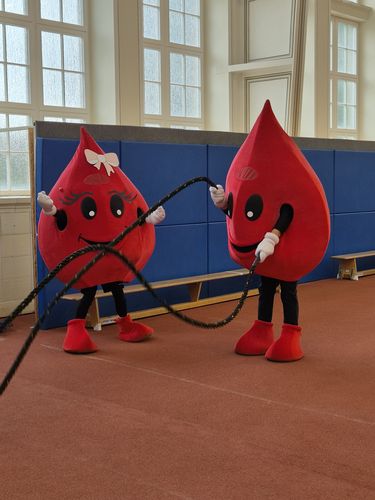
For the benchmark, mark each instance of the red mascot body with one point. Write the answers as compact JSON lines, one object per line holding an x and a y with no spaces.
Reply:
{"x":92,"y":202}
{"x":277,"y":210}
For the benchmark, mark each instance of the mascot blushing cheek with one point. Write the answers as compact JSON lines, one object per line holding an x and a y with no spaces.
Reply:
{"x":95,"y":202}
{"x":269,"y":172}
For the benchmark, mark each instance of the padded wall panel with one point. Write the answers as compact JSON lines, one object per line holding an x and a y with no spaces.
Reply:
{"x":219,"y":161}
{"x":327,"y":267}
{"x":157,"y":169}
{"x":323,"y":165}
{"x":354,"y":181}
{"x":180,"y":250}
{"x":218,"y":253}
{"x":354,"y":232}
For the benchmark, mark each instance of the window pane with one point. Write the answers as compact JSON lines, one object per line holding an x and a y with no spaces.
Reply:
{"x":19,"y":171}
{"x":73,"y":53}
{"x":51,"y":50}
{"x":18,"y":141}
{"x":4,"y":146}
{"x":16,"y":43}
{"x":19,"y":121}
{"x":352,"y":37}
{"x":176,"y":5}
{"x":50,"y":9}
{"x":351,"y":62}
{"x":2,"y":83}
{"x":177,"y":69}
{"x":192,"y":7}
{"x":351,"y":96}
{"x":176,"y":27}
{"x":74,"y":90}
{"x":73,"y":12}
{"x":193,"y":71}
{"x":152,"y":65}
{"x":15,"y":6}
{"x":3,"y":172}
{"x":192,"y":34}
{"x":341,"y":91}
{"x":18,"y":84}
{"x":151,"y":22}
{"x":193,"y":102}
{"x":152,"y":98}
{"x":341,"y":63}
{"x":341,"y":116}
{"x":351,"y":117}
{"x":3,"y":120}
{"x":152,"y":2}
{"x":177,"y":100}
{"x":52,"y":88}
{"x":341,"y":34}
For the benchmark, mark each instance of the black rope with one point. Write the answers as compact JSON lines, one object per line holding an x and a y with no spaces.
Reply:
{"x":103,"y":249}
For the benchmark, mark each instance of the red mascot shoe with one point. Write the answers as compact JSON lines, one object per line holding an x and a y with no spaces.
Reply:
{"x":130,"y":331}
{"x":257,"y":340}
{"x":288,"y":346}
{"x":77,"y":340}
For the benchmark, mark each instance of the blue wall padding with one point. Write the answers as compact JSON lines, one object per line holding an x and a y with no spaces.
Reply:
{"x":323,"y":165}
{"x":219,"y":161}
{"x":327,"y":267}
{"x":180,"y":251}
{"x":354,"y":232}
{"x":355,"y":181}
{"x":218,"y":253}
{"x":157,"y":169}
{"x":192,"y":239}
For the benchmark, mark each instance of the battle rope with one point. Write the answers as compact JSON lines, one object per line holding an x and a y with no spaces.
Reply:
{"x":103,"y":249}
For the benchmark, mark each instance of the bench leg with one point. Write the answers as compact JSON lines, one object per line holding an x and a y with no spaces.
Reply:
{"x":93,"y":318}
{"x":348,"y":269}
{"x":194,"y":291}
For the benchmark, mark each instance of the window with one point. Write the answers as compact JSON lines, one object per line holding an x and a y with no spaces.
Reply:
{"x":52,"y":35}
{"x":343,"y":79}
{"x":172,"y":62}
{"x":14,"y":153}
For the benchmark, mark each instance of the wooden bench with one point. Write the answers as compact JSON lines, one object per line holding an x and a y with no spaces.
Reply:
{"x":348,"y":265}
{"x":194,"y":284}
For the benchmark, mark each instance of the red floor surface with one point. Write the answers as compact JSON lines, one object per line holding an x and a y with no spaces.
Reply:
{"x":180,"y":416}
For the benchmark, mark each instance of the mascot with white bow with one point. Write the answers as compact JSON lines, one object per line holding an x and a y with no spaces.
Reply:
{"x":93,"y":202}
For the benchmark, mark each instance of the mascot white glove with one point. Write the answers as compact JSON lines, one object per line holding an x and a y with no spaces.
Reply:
{"x":156,"y":216}
{"x":267,"y":246}
{"x":218,"y":196}
{"x":46,"y":203}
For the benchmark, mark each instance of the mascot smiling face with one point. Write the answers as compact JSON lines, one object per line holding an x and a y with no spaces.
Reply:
{"x":268,"y":172}
{"x":96,"y":202}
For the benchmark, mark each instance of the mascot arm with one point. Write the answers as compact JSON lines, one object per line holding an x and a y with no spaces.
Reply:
{"x":267,"y":246}
{"x":46,"y":203}
{"x":156,"y":217}
{"x":218,"y":196}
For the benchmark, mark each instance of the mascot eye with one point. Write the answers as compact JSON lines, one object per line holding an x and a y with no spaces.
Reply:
{"x":254,"y":207}
{"x":61,"y":220}
{"x":117,"y":205}
{"x":88,"y":208}
{"x":229,"y":210}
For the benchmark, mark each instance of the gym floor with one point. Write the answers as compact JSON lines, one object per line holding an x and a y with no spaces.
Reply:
{"x":180,"y":416}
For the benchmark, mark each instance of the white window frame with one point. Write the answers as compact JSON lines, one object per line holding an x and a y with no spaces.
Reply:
{"x":35,"y":108}
{"x":165,"y":47}
{"x":335,"y":76}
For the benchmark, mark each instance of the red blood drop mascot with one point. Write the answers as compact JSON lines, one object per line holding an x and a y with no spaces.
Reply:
{"x":277,"y":210}
{"x":92,"y":202}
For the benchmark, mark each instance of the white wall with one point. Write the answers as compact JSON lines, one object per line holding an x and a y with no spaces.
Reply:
{"x":16,"y":261}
